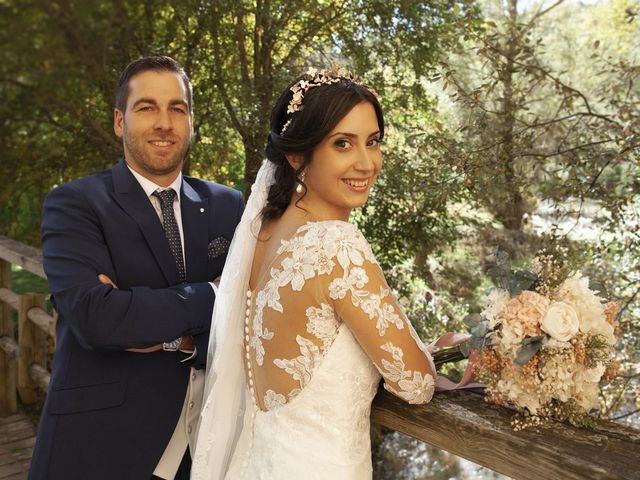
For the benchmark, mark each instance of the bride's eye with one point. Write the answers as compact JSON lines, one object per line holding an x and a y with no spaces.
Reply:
{"x":342,"y":144}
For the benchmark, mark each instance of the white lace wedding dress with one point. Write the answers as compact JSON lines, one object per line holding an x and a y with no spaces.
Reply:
{"x":319,"y":331}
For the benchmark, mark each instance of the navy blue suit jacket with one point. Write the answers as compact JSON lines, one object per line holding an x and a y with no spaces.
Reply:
{"x":109,"y":413}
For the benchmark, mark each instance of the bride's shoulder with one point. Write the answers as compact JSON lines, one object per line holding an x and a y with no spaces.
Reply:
{"x":333,"y":228}
{"x":334,"y":236}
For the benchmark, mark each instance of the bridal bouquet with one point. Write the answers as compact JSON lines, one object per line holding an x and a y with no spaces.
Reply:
{"x":544,"y":341}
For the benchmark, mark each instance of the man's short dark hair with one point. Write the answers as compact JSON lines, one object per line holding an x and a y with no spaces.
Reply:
{"x":157,"y":63}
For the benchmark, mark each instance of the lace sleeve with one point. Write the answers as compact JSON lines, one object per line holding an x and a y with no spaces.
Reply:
{"x":364,"y":301}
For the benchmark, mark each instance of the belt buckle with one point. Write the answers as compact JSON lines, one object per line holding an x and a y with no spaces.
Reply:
{"x":172,"y":346}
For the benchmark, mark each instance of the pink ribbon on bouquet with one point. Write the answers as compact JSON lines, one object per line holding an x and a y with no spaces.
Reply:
{"x":451,"y":339}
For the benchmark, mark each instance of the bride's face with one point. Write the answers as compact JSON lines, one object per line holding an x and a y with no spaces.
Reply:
{"x":344,"y":165}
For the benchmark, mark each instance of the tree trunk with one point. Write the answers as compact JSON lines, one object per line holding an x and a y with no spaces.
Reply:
{"x":510,"y":212}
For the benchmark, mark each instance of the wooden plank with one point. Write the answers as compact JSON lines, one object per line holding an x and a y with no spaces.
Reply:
{"x":12,"y":469}
{"x":42,"y":320}
{"x":463,"y":424}
{"x":6,"y":317}
{"x":9,"y":375}
{"x":19,"y":476}
{"x":28,"y":343}
{"x":15,"y":455}
{"x":19,"y":444}
{"x":27,"y":257}
{"x":40,"y":376}
{"x":17,"y":439}
{"x":18,"y":469}
{"x":10,"y":348}
{"x":8,"y":367}
{"x":9,"y":298}
{"x":16,"y":417}
{"x":20,"y":455}
{"x":16,"y":432}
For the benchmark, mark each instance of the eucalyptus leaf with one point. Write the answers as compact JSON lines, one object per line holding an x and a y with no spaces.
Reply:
{"x":472,"y":320}
{"x":530,"y":346}
{"x":480,"y":330}
{"x":598,"y":287}
{"x":522,"y":280}
{"x":500,"y":276}
{"x":477,"y":343}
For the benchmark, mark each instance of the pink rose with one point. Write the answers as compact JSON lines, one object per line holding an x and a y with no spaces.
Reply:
{"x":522,"y":315}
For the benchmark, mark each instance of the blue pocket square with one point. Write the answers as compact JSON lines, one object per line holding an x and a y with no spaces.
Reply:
{"x":218,"y":247}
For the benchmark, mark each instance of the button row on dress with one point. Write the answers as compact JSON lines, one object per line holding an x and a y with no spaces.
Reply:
{"x":245,"y":462}
{"x":248,"y":350}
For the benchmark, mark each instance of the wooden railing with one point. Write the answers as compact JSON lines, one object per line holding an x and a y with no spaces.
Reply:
{"x":459,"y":422}
{"x":26,"y":346}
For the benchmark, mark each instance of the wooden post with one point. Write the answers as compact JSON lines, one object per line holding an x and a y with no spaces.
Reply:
{"x":29,"y":349}
{"x":8,"y":387}
{"x":6,"y":321}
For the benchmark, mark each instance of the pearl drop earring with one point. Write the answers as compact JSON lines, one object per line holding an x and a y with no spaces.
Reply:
{"x":299,"y":187}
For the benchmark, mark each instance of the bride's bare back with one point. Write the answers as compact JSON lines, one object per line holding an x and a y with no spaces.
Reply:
{"x":308,"y":283}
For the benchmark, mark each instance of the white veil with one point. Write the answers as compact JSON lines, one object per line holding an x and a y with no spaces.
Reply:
{"x":224,"y":393}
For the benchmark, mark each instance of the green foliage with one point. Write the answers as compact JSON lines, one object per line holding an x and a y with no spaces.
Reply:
{"x":61,"y":61}
{"x":25,"y":282}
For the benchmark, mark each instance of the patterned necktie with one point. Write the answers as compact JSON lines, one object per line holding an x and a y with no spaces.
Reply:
{"x":170,"y":225}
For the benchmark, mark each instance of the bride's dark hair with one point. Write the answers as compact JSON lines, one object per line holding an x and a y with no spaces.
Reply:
{"x":322,"y":108}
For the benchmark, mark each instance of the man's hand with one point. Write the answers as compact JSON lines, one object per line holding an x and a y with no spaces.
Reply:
{"x":186,"y":343}
{"x":106,"y":280}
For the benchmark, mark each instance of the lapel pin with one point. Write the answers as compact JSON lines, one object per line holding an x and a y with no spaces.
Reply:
{"x":202,"y":210}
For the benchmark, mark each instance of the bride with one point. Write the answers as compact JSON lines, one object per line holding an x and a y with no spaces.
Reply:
{"x":304,"y":322}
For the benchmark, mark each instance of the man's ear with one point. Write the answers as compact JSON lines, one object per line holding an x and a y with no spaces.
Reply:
{"x":118,"y":122}
{"x":295,"y":161}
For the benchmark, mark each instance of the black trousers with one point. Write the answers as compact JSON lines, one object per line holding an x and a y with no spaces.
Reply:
{"x":183,"y":470}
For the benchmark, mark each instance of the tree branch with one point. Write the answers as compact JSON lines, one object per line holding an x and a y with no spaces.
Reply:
{"x":540,"y":13}
{"x":629,"y":301}
{"x":568,"y":150}
{"x":625,"y":415}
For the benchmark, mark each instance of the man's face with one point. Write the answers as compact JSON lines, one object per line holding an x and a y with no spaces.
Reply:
{"x":156,"y":126}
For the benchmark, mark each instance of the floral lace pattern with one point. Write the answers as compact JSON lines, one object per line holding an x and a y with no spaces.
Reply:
{"x":347,"y":286}
{"x":414,"y":387}
{"x":273,"y":400}
{"x":322,"y":324}
{"x":301,"y":368}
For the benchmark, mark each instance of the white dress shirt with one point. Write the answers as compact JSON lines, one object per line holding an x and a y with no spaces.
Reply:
{"x":184,"y":433}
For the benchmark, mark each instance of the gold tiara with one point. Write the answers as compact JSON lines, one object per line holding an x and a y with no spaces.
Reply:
{"x":316,"y":78}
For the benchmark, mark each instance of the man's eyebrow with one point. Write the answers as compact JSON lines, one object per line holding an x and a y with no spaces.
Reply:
{"x":144,"y":100}
{"x":178,"y":102}
{"x":152,"y":101}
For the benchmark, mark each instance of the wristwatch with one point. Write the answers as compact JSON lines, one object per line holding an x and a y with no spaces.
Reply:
{"x":172,"y":346}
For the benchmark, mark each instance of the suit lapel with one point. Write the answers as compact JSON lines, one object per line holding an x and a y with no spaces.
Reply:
{"x":131,"y":197}
{"x":195,"y":225}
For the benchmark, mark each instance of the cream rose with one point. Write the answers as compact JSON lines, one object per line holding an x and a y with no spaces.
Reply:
{"x":560,"y":322}
{"x":589,"y":306}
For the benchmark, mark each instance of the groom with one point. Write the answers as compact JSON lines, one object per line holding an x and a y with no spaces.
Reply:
{"x":126,"y":381}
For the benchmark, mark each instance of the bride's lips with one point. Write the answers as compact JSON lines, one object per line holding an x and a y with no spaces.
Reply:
{"x":357,"y":184}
